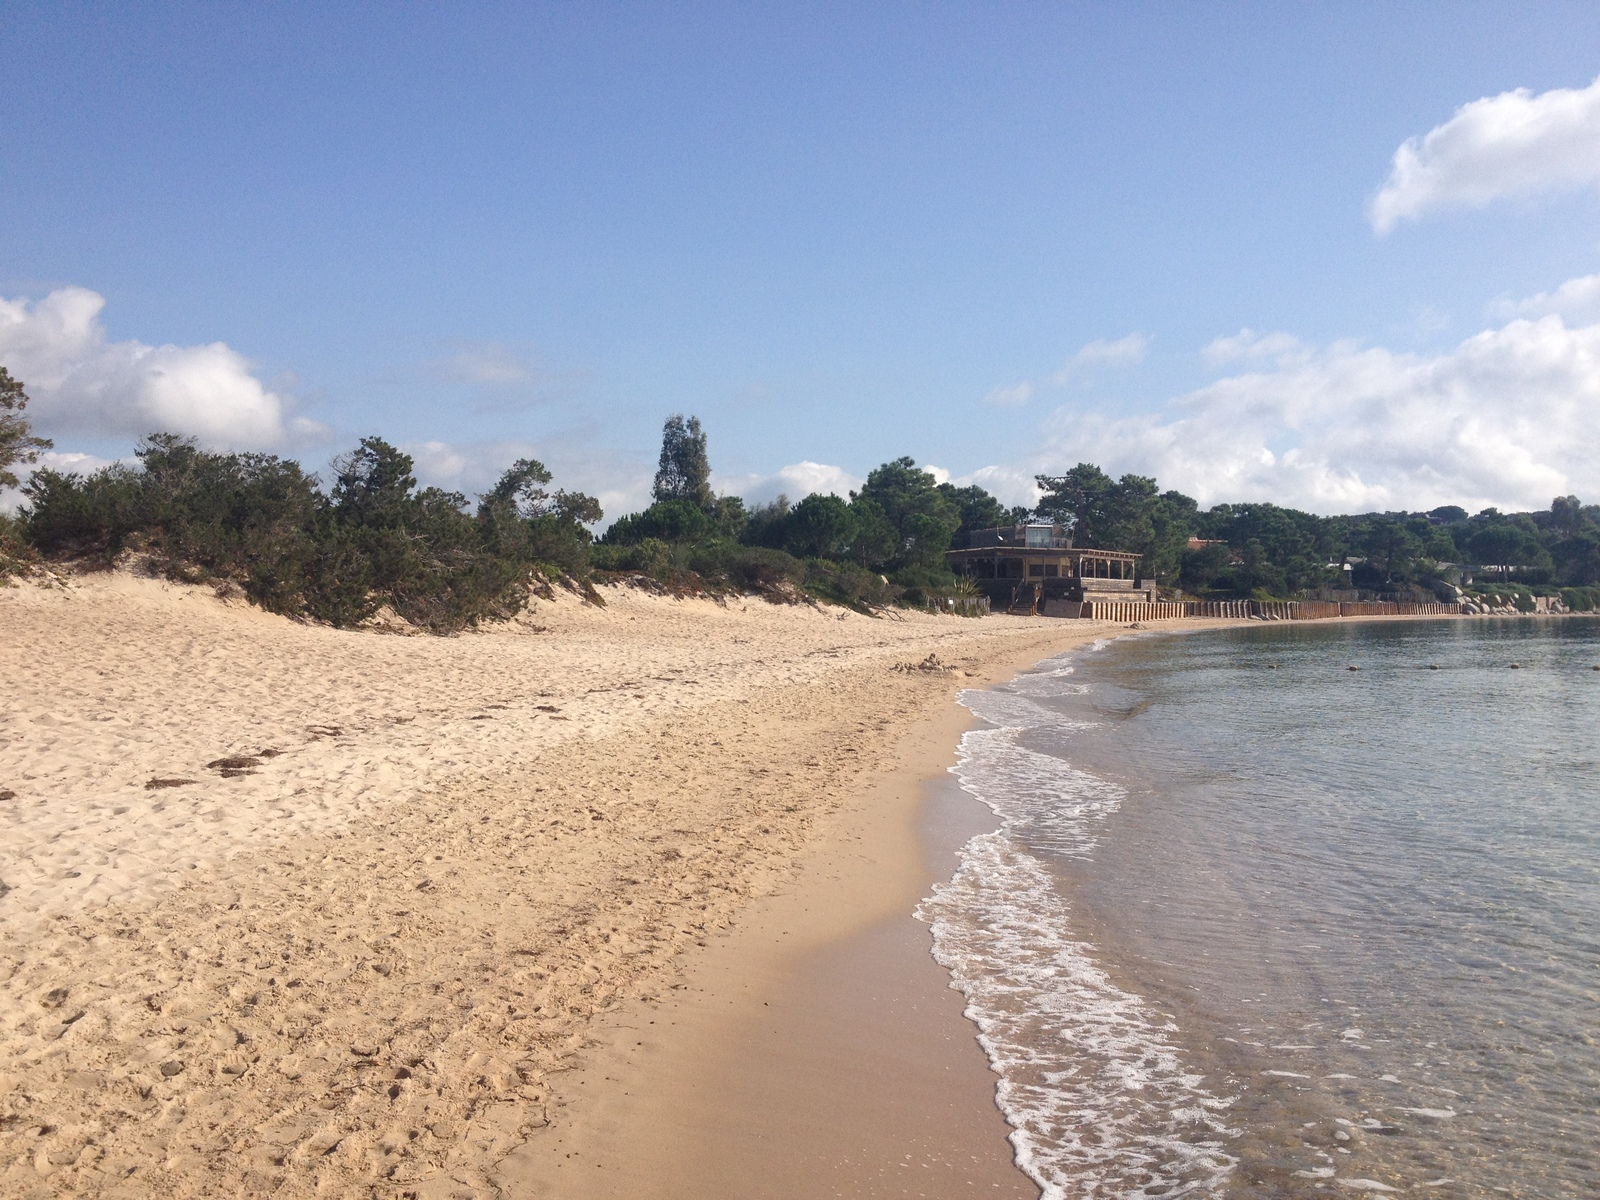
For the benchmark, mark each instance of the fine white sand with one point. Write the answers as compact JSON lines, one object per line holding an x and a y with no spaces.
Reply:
{"x":351,"y":966}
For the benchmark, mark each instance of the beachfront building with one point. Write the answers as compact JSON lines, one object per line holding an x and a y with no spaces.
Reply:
{"x":1037,"y":569}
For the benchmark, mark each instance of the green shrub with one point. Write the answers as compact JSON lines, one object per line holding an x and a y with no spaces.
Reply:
{"x":16,"y":556}
{"x":850,"y":585}
{"x":651,"y":557}
{"x":747,"y":568}
{"x":71,"y":514}
{"x":666,"y":521}
{"x":1581,"y":599}
{"x":261,"y":522}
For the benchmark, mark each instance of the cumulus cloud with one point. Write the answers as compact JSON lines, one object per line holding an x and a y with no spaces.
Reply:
{"x":1576,"y":298}
{"x":83,"y":384}
{"x":67,"y":462}
{"x":796,"y":481}
{"x":471,"y":468}
{"x":1507,"y":418}
{"x":1009,"y":485}
{"x":1096,"y":355}
{"x":1516,"y":144}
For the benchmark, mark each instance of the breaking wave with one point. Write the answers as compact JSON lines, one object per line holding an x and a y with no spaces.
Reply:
{"x":1091,"y":1078}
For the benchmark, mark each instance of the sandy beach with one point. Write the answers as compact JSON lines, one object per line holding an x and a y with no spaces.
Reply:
{"x":300,"y":911}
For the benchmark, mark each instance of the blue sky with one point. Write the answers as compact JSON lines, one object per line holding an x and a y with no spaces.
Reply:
{"x":998,"y":238}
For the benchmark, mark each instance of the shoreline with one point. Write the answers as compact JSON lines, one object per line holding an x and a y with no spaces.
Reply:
{"x":813,"y":1047}
{"x":711,"y":1091}
{"x":818,"y":1049}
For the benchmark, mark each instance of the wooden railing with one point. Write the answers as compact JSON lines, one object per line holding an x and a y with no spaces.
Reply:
{"x":1126,"y":612}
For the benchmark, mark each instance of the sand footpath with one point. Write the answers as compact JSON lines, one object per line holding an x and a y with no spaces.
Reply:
{"x":405,"y":874}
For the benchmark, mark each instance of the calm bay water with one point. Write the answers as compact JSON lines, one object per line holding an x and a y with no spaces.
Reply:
{"x":1258,"y":925}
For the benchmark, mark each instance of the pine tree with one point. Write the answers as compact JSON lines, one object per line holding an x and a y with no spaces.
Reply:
{"x":17,"y":444}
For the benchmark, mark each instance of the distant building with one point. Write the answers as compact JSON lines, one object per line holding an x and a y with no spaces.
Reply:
{"x":1036,"y":568}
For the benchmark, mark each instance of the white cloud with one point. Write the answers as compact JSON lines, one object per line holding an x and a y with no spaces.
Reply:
{"x":71,"y":462}
{"x":1014,"y":396}
{"x":472,"y":468}
{"x":1507,"y":418}
{"x":1247,"y":345}
{"x":81,"y":384}
{"x":67,"y":462}
{"x":1123,"y":352}
{"x":1578,"y":298}
{"x":1009,"y":485}
{"x":1516,"y":144}
{"x":796,"y":481}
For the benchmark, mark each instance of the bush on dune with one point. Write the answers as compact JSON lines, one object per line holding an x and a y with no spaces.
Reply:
{"x":262,"y":523}
{"x":713,"y":567}
{"x":663,"y":521}
{"x":750,"y":568}
{"x":16,"y":556}
{"x":850,"y":585}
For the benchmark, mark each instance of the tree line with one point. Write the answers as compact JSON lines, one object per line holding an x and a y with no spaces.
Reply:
{"x":1266,"y":551}
{"x":373,"y":538}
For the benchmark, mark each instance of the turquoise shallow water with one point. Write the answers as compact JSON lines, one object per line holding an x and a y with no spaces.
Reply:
{"x":1256,"y":924}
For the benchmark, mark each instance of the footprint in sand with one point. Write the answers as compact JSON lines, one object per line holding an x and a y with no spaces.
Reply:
{"x":230,"y":768}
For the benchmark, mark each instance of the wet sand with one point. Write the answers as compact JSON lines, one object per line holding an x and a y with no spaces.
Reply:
{"x":817,"y":1050}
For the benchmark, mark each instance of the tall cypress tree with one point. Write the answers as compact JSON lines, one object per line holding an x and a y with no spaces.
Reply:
{"x":685,"y":471}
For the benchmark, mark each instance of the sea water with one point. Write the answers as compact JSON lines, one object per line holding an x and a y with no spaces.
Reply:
{"x":1257,"y":924}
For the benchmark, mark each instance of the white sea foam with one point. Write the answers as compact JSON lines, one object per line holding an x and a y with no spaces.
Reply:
{"x":1091,"y":1081}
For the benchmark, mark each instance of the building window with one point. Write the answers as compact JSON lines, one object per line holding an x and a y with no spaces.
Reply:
{"x":1035,"y":570}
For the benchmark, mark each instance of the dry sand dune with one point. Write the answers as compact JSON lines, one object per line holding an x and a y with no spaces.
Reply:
{"x":348,"y":963}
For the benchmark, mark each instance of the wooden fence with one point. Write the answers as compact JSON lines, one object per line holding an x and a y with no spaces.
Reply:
{"x":1397,"y":608}
{"x":1127,"y":612}
{"x":1132,"y":610}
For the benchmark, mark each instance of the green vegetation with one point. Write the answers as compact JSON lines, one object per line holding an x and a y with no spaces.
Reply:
{"x":374,"y":539}
{"x":18,"y":446}
{"x":1267,"y":552}
{"x":261,"y":523}
{"x":885,"y":545}
{"x":1582,"y":599}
